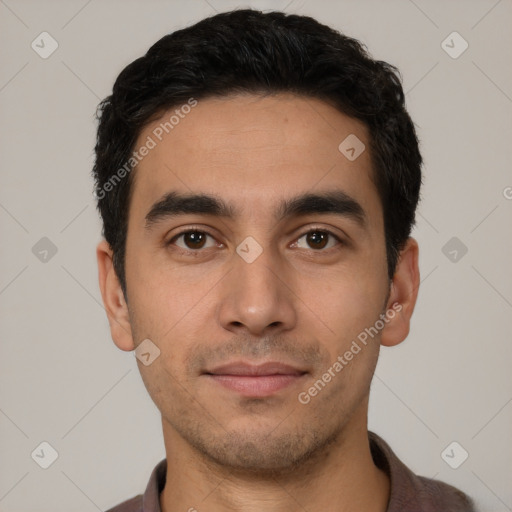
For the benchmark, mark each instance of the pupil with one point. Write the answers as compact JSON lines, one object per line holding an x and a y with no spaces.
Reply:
{"x":194,"y":238}
{"x":317,"y":238}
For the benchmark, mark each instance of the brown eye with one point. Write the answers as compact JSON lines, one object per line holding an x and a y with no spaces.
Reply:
{"x":192,"y":239}
{"x":318,"y":239}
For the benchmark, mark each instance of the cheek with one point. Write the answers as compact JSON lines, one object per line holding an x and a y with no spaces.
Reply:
{"x":176,"y":313}
{"x":343,"y":304}
{"x":350,"y":307}
{"x":163,"y":296}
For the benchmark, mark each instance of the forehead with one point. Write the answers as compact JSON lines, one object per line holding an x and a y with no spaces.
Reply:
{"x":254,"y":151}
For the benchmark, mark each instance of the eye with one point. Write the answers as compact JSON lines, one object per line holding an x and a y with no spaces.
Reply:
{"x":318,"y":239}
{"x":192,"y":239}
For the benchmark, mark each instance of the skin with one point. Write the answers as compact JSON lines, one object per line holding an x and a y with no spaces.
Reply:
{"x":295,"y":303}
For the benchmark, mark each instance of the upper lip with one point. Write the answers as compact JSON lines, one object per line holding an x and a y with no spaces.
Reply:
{"x":244,"y":368}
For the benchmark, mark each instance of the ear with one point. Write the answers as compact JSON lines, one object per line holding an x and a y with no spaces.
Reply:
{"x":113,"y":299}
{"x":402,"y":295}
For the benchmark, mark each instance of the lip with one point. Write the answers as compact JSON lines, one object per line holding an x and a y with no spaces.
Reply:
{"x":248,"y":369}
{"x":252,"y":380}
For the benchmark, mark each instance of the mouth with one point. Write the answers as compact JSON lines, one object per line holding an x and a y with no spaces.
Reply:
{"x":256,"y":381}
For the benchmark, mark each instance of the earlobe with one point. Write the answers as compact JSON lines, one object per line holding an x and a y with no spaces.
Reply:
{"x":403,"y":295}
{"x":113,"y":299}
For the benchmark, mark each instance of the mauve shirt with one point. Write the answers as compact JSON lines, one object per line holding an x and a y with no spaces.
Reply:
{"x":408,"y":492}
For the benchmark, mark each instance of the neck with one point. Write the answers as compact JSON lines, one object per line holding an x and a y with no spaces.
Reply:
{"x":342,"y":478}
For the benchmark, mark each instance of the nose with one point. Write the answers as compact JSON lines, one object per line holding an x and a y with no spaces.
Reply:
{"x":257,"y":297}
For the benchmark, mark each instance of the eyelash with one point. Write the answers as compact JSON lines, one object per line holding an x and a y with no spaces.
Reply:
{"x":201,"y":230}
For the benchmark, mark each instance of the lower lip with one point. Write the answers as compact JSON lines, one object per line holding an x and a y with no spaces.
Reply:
{"x":256,"y":385}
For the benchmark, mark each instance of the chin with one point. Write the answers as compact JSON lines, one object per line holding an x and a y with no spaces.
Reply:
{"x":264,"y":451}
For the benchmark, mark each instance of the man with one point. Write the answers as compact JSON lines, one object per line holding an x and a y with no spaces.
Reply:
{"x":257,"y":176}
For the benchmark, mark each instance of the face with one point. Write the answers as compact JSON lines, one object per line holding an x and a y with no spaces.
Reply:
{"x":253,"y":292}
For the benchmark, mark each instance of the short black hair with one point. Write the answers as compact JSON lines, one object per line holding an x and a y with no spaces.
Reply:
{"x":249,"y":51}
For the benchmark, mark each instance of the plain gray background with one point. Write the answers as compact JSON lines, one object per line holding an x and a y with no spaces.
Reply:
{"x":63,"y":381}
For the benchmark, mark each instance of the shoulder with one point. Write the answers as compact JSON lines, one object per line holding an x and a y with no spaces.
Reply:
{"x":150,"y":499}
{"x":409,"y":491}
{"x":435,"y":495}
{"x":132,"y":505}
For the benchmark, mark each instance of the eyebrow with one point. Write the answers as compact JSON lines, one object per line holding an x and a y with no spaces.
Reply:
{"x":174,"y":204}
